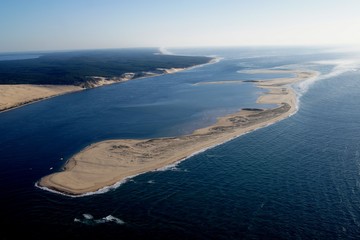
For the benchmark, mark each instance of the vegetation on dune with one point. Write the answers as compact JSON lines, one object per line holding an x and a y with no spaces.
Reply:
{"x":74,"y":68}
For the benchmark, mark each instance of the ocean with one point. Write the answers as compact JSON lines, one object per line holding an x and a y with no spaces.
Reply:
{"x":295,"y":179}
{"x":18,"y":56}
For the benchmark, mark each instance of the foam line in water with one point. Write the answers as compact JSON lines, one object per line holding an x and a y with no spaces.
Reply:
{"x":164,"y":51}
{"x":88,"y":219}
{"x":87,"y":216}
{"x":213,"y":61}
{"x":340,"y":66}
{"x":100,"y":191}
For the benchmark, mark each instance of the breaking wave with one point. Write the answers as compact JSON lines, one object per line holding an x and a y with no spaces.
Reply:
{"x":164,"y":51}
{"x":339,"y":67}
{"x":88,"y":219}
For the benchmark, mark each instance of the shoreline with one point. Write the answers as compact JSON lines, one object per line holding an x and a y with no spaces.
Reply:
{"x":111,"y":162}
{"x":22,"y":91}
{"x":43,"y":92}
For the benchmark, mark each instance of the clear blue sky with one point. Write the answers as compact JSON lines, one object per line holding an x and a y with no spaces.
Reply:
{"x":27,"y":25}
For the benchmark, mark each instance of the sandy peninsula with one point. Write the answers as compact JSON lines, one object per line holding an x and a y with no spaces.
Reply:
{"x":108,"y":162}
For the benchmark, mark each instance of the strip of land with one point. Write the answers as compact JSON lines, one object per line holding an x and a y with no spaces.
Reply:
{"x":13,"y":96}
{"x":25,"y":81}
{"x":108,"y":162}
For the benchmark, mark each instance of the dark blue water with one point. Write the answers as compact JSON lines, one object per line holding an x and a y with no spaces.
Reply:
{"x":297,"y":179}
{"x":17,"y":56}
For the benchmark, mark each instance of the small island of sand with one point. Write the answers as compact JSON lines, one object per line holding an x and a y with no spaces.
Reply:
{"x":108,"y":162}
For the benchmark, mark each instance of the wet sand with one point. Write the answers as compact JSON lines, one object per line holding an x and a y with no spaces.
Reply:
{"x":108,"y":162}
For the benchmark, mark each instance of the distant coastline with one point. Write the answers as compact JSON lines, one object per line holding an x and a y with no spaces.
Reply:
{"x":110,"y":162}
{"x":13,"y":96}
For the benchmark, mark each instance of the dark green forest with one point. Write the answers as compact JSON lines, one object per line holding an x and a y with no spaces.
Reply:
{"x":73,"y":68}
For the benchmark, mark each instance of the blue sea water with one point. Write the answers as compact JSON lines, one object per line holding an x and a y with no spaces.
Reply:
{"x":296,"y":179}
{"x":17,"y":56}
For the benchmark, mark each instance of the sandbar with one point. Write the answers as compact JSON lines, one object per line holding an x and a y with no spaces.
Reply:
{"x":109,"y":162}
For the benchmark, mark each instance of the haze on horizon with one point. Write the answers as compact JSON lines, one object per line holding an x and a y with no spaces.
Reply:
{"x":39,"y":25}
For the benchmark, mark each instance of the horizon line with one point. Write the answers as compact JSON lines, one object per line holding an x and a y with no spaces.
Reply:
{"x":182,"y":47}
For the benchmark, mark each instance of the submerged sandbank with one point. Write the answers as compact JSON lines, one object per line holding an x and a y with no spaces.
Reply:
{"x":108,"y":162}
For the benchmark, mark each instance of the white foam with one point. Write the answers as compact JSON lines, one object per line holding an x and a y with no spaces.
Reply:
{"x":110,"y":218}
{"x":171,"y":167}
{"x":87,"y":216}
{"x":114,"y":219}
{"x":100,"y":191}
{"x":51,"y":190}
{"x":89,"y":219}
{"x":213,"y":61}
{"x":340,"y":66}
{"x":164,"y":51}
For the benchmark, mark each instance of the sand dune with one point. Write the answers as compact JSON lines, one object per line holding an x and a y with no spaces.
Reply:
{"x":12,"y":96}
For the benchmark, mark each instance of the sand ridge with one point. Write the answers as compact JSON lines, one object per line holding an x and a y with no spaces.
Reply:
{"x":108,"y":162}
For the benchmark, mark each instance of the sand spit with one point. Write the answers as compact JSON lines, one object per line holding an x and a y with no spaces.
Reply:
{"x":108,"y":162}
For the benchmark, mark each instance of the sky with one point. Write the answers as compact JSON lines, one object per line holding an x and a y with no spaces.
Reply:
{"x":40,"y":25}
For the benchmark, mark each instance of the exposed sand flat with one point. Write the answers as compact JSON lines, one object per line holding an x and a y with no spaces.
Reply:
{"x":12,"y":96}
{"x":108,"y":162}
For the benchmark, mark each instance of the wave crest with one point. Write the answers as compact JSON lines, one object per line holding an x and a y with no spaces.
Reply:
{"x":340,"y":67}
{"x":88,"y":219}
